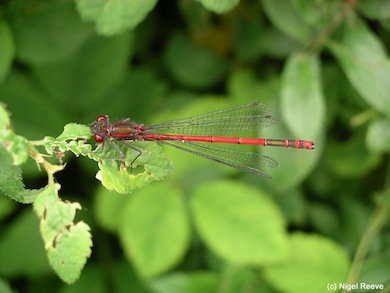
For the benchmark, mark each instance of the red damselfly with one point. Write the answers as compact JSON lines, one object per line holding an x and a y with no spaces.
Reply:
{"x":202,"y":134}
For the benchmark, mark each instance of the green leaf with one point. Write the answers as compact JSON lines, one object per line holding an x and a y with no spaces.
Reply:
{"x":318,"y":13}
{"x":55,"y":214}
{"x":220,"y":6}
{"x":71,"y":139}
{"x":16,"y":145}
{"x":113,"y":16}
{"x":68,"y":245}
{"x":365,"y":62}
{"x":34,"y":112}
{"x":21,"y":250}
{"x":122,"y":178}
{"x":286,"y":18}
{"x":11,"y":179}
{"x":70,"y":251}
{"x":302,"y":101}
{"x":199,"y":282}
{"x":154,"y":230}
{"x":5,"y":287}
{"x":378,"y":135}
{"x":314,"y":262}
{"x":74,"y":131}
{"x":375,"y":9}
{"x":4,"y":121}
{"x":46,"y":32}
{"x":108,"y":208}
{"x":239,"y":223}
{"x":99,"y":65}
{"x":193,"y":66}
{"x":7,"y":50}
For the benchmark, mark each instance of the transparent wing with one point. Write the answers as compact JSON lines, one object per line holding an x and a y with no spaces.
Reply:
{"x":239,"y":119}
{"x":242,"y":160}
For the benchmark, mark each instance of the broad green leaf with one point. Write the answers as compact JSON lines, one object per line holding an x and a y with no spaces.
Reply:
{"x":70,"y":251}
{"x":199,"y":282}
{"x":154,"y":231}
{"x":11,"y":183}
{"x":239,"y":223}
{"x":124,"y":179}
{"x":365,"y":62}
{"x":99,"y":66}
{"x":318,"y":13}
{"x":302,"y":101}
{"x":108,"y":208}
{"x":193,"y":66}
{"x":34,"y":113}
{"x":68,"y":244}
{"x":47,"y":32}
{"x":378,"y":135}
{"x":314,"y":262}
{"x":7,"y":50}
{"x":114,"y":16}
{"x":375,"y":9}
{"x":74,"y":131}
{"x":220,"y":6}
{"x":56,"y":214}
{"x":21,"y":249}
{"x":5,"y":287}
{"x":286,"y":18}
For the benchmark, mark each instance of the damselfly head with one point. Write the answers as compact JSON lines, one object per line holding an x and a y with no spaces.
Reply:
{"x":99,"y":128}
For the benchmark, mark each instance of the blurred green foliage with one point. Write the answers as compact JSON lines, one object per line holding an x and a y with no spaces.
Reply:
{"x":322,"y":66}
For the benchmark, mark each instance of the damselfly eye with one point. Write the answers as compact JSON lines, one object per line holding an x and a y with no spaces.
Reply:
{"x":101,"y":117}
{"x":98,"y":138}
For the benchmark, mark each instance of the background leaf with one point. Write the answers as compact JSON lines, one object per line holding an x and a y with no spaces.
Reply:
{"x":157,"y":249}
{"x":112,"y":17}
{"x":365,"y":63}
{"x":193,"y":66}
{"x":225,"y":230}
{"x":123,"y":180}
{"x":234,"y":222}
{"x":301,"y":96}
{"x":314,"y":261}
{"x":47,"y":31}
{"x":7,"y":50}
{"x":219,"y":6}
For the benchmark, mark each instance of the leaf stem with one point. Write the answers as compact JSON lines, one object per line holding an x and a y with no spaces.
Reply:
{"x":377,"y":220}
